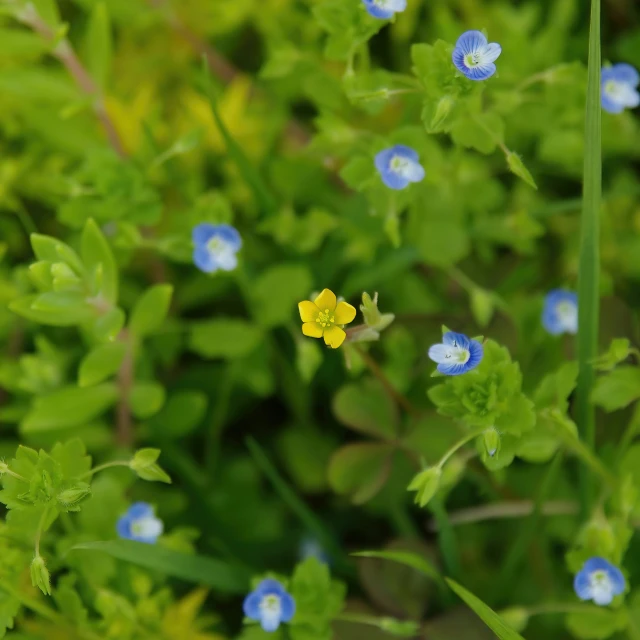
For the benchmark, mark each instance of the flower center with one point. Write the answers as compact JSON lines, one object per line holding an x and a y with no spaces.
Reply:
{"x":270,"y":604}
{"x":614,"y":89}
{"x":325,"y":318}
{"x":149,"y":527}
{"x":600,"y":584}
{"x":472,"y":60}
{"x":457,"y":354}
{"x":217,"y":246}
{"x":568,"y":315}
{"x":399,"y":165}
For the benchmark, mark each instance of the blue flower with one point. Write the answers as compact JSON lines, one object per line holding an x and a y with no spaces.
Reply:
{"x":599,"y":580}
{"x":560,"y":314}
{"x":269,"y":604}
{"x":216,"y":246}
{"x":384,"y":9}
{"x":474,"y":56}
{"x":457,"y":354}
{"x":619,"y":88}
{"x":140,"y":523}
{"x":398,"y":166}
{"x":311,"y":548}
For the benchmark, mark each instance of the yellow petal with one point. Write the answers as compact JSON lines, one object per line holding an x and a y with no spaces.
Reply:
{"x":312,"y":329}
{"x":334,"y":337}
{"x":326,"y":300}
{"x":308,"y":311}
{"x":345,"y":313}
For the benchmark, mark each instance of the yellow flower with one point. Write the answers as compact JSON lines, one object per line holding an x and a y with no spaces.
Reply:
{"x":322,"y":317}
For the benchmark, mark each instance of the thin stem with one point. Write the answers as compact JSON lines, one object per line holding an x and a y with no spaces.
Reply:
{"x":43,"y":519}
{"x":218,"y":419}
{"x":106,"y":465}
{"x":589,"y":266}
{"x":395,"y":395}
{"x":559,"y":607}
{"x":470,"y":436}
{"x":592,"y":461}
{"x":13,"y":474}
{"x":64,"y":52}
{"x":124,"y":422}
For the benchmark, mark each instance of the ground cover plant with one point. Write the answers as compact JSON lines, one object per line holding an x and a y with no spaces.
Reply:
{"x":320,"y":319}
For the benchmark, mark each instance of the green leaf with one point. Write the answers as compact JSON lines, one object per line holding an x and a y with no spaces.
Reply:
{"x":224,"y":338}
{"x":144,"y":465}
{"x":486,"y":614}
{"x":617,"y":389}
{"x":146,"y":399}
{"x":482,"y":132}
{"x":48,"y":11}
{"x":100,"y":363}
{"x":516,"y":165}
{"x":59,"y":309}
{"x":364,"y":406}
{"x":277,"y":292}
{"x":413,"y":560}
{"x":98,"y":258}
{"x":589,"y":264}
{"x":98,"y":44}
{"x":360,"y":470}
{"x":597,"y":623}
{"x":181,"y":414}
{"x":426,"y":484}
{"x":211,"y":572}
{"x":263,"y":196}
{"x":619,"y":349}
{"x":68,"y":407}
{"x":151,"y":310}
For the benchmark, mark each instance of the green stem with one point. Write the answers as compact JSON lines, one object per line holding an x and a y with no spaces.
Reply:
{"x":43,"y":519}
{"x":218,"y":420}
{"x":458,"y":445}
{"x":106,"y":465}
{"x":560,"y":607}
{"x":446,"y":538}
{"x":589,"y":270}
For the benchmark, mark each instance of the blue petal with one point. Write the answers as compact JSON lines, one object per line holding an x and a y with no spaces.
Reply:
{"x":251,"y":605}
{"x":203,"y":259}
{"x":623,"y":72}
{"x":452,"y":369}
{"x":471,"y":41}
{"x":404,"y":151}
{"x":481,"y":72}
{"x":139,"y":510}
{"x":269,"y":621}
{"x":610,"y":105}
{"x":270,"y":586}
{"x":582,"y":585}
{"x":202,"y":233}
{"x":230,"y":235}
{"x":377,"y":11}
{"x":618,"y":583}
{"x":123,"y":527}
{"x":458,"y":339}
{"x":288,"y":607}
{"x":597,"y":564}
{"x":382,"y":160}
{"x":476,"y":353}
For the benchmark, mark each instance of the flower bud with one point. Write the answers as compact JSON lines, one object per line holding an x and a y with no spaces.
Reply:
{"x":444,"y":108}
{"x":144,"y":465}
{"x":40,"y":575}
{"x":491,"y":439}
{"x":70,"y":498}
{"x":372,"y":316}
{"x":426,"y":483}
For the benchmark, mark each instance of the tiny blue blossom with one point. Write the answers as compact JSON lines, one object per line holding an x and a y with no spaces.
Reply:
{"x":215,"y":247}
{"x":599,"y":580}
{"x":560,"y":314}
{"x":619,"y":87}
{"x":140,"y":523}
{"x":384,"y":9}
{"x":398,"y":166}
{"x":269,"y":604}
{"x":457,"y":354}
{"x":474,"y":56}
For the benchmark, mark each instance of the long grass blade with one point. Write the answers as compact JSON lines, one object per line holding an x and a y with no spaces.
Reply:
{"x":589,"y":274}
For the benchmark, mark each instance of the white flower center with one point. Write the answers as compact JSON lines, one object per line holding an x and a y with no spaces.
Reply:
{"x":620,"y":92}
{"x":148,"y":527}
{"x":270,"y":605}
{"x":568,"y":316}
{"x":457,"y":354}
{"x":472,"y":60}
{"x":601,"y":587}
{"x":217,"y":247}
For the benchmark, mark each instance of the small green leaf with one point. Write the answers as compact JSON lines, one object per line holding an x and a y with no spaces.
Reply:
{"x":151,"y":310}
{"x":146,"y":399}
{"x":597,"y":623}
{"x":360,"y":470}
{"x":98,"y":257}
{"x":485,"y":613}
{"x":145,"y":466}
{"x":181,"y":414}
{"x":68,"y":407}
{"x":40,"y":575}
{"x":221,"y":576}
{"x":99,"y":44}
{"x":617,"y":389}
{"x":517,"y":166}
{"x":426,"y":485}
{"x":100,"y":363}
{"x":224,"y":338}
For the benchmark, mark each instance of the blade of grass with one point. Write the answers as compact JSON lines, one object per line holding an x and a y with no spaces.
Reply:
{"x":263,"y":197}
{"x":589,"y":271}
{"x":304,"y":513}
{"x":446,"y":538}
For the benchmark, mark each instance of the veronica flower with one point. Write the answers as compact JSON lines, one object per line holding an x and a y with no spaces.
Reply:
{"x":474,"y":56}
{"x":269,"y":604}
{"x":384,"y":9}
{"x":140,"y":523}
{"x":398,"y":166}
{"x":215,"y":247}
{"x":619,"y":88}
{"x":457,"y":354}
{"x":560,"y":314}
{"x":599,"y":580}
